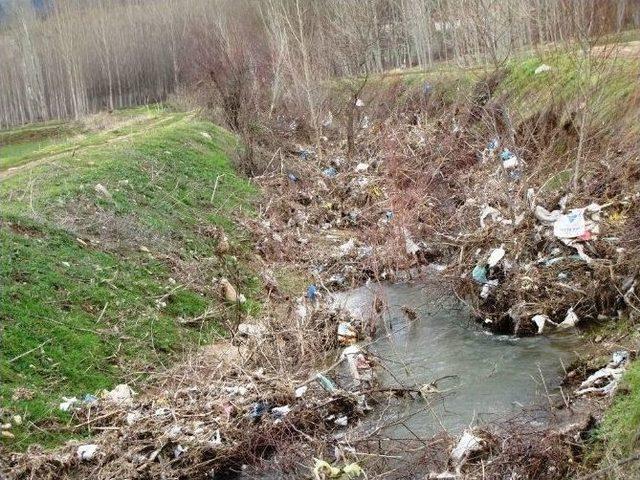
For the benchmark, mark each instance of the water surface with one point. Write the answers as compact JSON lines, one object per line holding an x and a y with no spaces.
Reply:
{"x":495,"y":376}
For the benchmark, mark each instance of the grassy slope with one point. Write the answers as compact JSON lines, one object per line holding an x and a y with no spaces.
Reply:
{"x":101,"y":310}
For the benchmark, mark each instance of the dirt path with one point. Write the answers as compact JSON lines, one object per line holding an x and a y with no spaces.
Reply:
{"x":163,"y":121}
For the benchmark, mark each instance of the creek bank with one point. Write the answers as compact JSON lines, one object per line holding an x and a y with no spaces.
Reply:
{"x":415,"y":197}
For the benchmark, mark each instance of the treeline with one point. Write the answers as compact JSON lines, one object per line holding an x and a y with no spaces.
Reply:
{"x":65,"y":58}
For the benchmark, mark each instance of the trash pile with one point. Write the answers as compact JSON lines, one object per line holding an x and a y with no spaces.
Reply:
{"x":529,"y":259}
{"x":229,"y":410}
{"x":547,"y":269}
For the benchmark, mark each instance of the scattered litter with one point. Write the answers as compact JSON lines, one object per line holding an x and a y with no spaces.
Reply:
{"x":87,"y":452}
{"x":542,"y":69}
{"x":359,"y":103}
{"x":121,"y":395}
{"x":362,"y":167}
{"x":348,"y":247}
{"x":347,"y":334}
{"x":410,"y":246}
{"x":488,"y":211}
{"x":300,"y":391}
{"x":133,"y":417}
{"x":68,"y":403}
{"x":545,"y":216}
{"x":258,"y":409}
{"x":178,"y":451}
{"x":467,"y":445}
{"x":330,"y":172}
{"x":162,"y":412}
{"x":323,"y":470}
{"x":312,"y":293}
{"x":570,"y":225}
{"x":495,"y":256}
{"x":443,"y":476}
{"x":353,"y":470}
{"x":326,"y":383}
{"x":280,"y":412}
{"x":479,"y":274}
{"x":216,"y":439}
{"x":305,"y":153}
{"x":229,"y":292}
{"x":174,"y":431}
{"x":342,"y":421}
{"x":605,"y":381}
{"x":570,"y":320}
{"x":509,"y":159}
{"x":541,"y":321}
{"x":292,"y":177}
{"x":252,"y":330}
{"x":359,"y":366}
{"x":102,"y":191}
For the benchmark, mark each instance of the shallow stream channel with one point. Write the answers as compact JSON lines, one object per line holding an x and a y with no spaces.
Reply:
{"x":488,"y":377}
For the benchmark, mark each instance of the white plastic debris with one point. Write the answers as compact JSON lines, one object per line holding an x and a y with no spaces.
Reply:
{"x":410,"y":246}
{"x":467,"y":445}
{"x":545,"y":216}
{"x":300,"y":391}
{"x":279,"y":412}
{"x":488,"y":211}
{"x":121,"y":395}
{"x":542,"y":69}
{"x":174,"y":431}
{"x":511,"y":162}
{"x":570,"y":225}
{"x":346,"y":333}
{"x":541,"y":321}
{"x":605,"y":381}
{"x":102,"y":191}
{"x":570,"y":320}
{"x":252,"y":330}
{"x":359,"y":103}
{"x":347,"y":247}
{"x":68,"y":403}
{"x":87,"y":452}
{"x":162,"y":412}
{"x":495,"y":256}
{"x":362,"y":167}
{"x":342,"y":421}
{"x":216,"y":438}
{"x":178,"y":451}
{"x":133,"y":417}
{"x":359,"y":366}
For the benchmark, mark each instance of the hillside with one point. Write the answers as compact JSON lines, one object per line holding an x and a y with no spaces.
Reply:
{"x":110,"y":229}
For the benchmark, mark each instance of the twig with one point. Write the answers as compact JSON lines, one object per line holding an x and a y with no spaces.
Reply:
{"x":29,"y":351}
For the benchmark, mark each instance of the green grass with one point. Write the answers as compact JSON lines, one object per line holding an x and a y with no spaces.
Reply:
{"x":95,"y":287}
{"x":618,"y":436}
{"x":603,"y":86}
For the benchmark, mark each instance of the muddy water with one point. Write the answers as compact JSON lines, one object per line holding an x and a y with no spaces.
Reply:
{"x":494,"y":376}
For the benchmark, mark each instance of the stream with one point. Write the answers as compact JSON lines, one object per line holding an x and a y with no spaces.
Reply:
{"x":494,"y":375}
